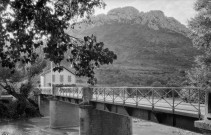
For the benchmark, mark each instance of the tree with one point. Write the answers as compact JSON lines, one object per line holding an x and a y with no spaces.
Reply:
{"x":28,"y":25}
{"x":200,"y":74}
{"x":20,"y":85}
{"x":25,"y":23}
{"x":156,"y":84}
{"x":200,"y":27}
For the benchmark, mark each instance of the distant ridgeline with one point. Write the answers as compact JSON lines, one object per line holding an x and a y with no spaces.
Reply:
{"x":151,"y":47}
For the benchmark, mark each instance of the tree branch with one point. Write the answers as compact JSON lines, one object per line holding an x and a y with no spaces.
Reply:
{"x":2,"y":85}
{"x":78,"y":39}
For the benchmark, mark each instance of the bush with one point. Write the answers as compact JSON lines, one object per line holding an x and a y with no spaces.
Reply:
{"x":192,"y":96}
{"x":4,"y":93}
{"x":25,"y":89}
{"x":130,"y":92}
{"x":3,"y":110}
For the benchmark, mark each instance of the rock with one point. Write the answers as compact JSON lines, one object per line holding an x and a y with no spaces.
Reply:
{"x":126,"y":13}
{"x":155,"y":19}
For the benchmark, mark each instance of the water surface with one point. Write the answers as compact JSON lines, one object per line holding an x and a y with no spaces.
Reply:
{"x":40,"y":126}
{"x":34,"y":126}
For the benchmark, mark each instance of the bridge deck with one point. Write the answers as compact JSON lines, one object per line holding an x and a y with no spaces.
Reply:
{"x":145,"y":97}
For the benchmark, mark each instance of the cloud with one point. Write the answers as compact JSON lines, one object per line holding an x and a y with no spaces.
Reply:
{"x":182,"y":10}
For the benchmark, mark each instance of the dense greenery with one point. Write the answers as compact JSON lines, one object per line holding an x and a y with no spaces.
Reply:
{"x":131,"y":77}
{"x":200,"y":27}
{"x":21,"y":85}
{"x":26,"y":22}
{"x":145,"y":55}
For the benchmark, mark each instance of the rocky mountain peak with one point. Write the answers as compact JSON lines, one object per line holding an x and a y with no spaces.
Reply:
{"x":127,"y":13}
{"x":155,"y":13}
{"x":155,"y":19}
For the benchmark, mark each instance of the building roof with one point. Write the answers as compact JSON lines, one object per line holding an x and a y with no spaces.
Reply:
{"x":69,"y":70}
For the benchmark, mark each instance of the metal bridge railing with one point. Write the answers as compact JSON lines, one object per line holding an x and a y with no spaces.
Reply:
{"x":46,"y":90}
{"x":75,"y":92}
{"x":185,"y":99}
{"x":189,"y":100}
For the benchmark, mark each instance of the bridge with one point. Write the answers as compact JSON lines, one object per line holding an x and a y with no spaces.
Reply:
{"x":108,"y":110}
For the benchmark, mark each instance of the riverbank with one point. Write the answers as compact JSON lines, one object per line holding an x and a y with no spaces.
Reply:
{"x":34,"y":126}
{"x":12,"y":110}
{"x":40,"y":126}
{"x":142,"y":127}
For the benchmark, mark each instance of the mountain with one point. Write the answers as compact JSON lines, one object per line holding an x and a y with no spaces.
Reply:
{"x":149,"y":46}
{"x":129,"y":15}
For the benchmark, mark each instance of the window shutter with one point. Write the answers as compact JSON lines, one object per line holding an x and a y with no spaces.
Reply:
{"x":69,"y":78}
{"x":61,"y":78}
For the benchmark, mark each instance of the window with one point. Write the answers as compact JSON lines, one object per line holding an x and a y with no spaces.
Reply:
{"x":69,"y":78}
{"x":53,"y":78}
{"x":61,"y":78}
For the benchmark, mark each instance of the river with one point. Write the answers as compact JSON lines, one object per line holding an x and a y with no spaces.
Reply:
{"x":39,"y":126}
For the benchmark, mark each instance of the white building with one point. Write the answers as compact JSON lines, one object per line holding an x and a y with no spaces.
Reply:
{"x":64,"y":77}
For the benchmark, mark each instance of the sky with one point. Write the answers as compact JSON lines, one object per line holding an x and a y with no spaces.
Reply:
{"x":182,"y":10}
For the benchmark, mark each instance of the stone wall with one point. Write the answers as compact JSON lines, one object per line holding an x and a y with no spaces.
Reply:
{"x":63,"y":115}
{"x":96,"y":122}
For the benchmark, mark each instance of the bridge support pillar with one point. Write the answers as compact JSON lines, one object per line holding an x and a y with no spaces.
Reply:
{"x":43,"y":104}
{"x":205,"y":125}
{"x":63,"y":115}
{"x":96,"y":122}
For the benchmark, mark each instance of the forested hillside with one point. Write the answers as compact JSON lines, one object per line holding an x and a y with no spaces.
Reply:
{"x":151,"y":47}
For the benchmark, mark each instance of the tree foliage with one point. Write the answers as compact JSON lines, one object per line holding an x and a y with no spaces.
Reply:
{"x":200,"y":74}
{"x":20,"y":82}
{"x":26,"y":23}
{"x":26,"y":26}
{"x":200,"y":27}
